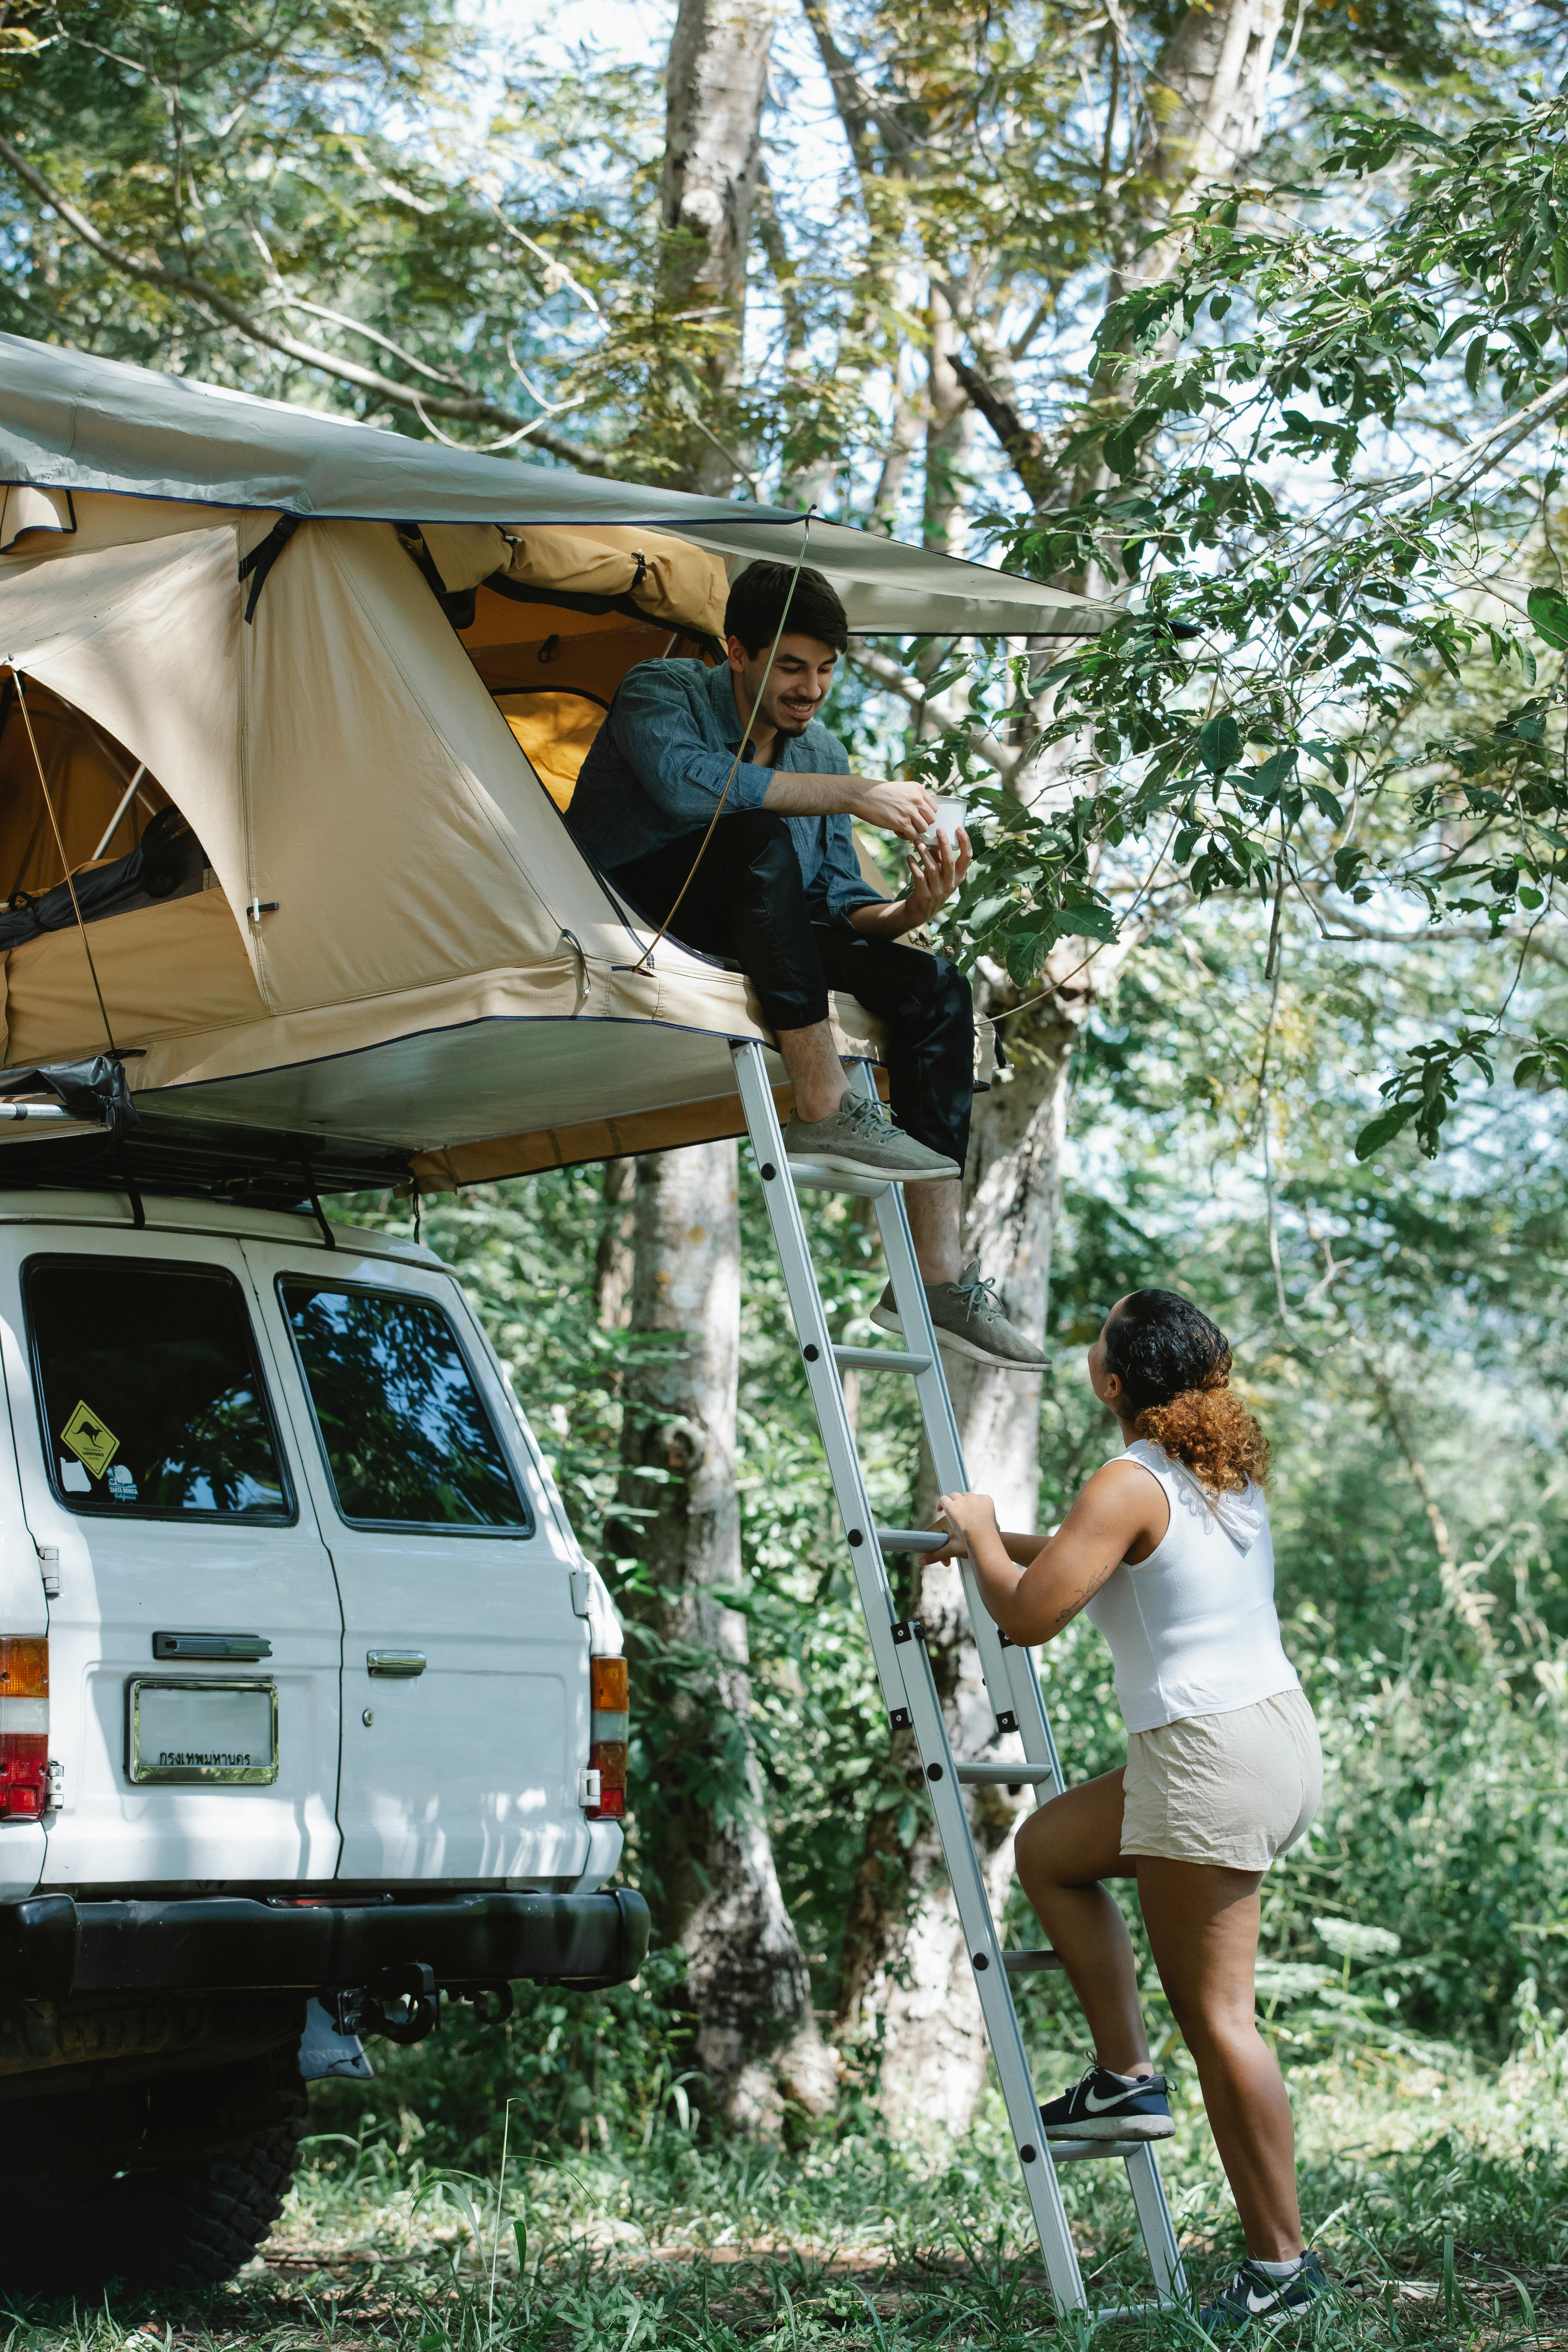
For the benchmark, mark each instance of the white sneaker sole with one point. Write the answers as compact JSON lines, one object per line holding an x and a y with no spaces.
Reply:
{"x":1114,"y":2127}
{"x":887,"y":1318}
{"x":840,"y":1163}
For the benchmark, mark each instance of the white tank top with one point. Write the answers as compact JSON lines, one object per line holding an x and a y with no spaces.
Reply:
{"x":1193,"y":1628}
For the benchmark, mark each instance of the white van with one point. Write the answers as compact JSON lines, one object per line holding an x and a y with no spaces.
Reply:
{"x":307,"y":1694}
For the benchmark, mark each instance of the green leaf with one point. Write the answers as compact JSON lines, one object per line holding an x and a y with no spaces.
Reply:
{"x":1277,"y":770}
{"x":1549,"y":616}
{"x":990,"y":910}
{"x":1219,"y":743}
{"x":1475,"y":360}
{"x":1325,"y":802}
{"x":1090,"y":919}
{"x":1383,"y":1129}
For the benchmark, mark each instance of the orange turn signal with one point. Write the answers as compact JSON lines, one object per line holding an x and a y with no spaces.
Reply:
{"x":611,"y":1727}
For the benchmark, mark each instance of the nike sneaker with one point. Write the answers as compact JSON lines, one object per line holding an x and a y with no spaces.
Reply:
{"x":1103,"y":2106}
{"x":1256,"y":2299}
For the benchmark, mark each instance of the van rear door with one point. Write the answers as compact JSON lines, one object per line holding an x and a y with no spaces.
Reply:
{"x":465,"y":1667}
{"x":195,"y":1640}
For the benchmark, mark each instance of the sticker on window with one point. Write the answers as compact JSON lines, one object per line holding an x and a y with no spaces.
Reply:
{"x":88,"y":1440}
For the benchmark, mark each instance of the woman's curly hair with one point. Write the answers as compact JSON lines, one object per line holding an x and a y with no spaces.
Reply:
{"x":1174,"y":1365}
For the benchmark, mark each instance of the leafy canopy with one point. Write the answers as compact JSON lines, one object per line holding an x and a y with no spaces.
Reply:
{"x":1330,"y":471}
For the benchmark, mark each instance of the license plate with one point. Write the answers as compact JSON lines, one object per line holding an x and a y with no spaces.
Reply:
{"x":206,"y":1731}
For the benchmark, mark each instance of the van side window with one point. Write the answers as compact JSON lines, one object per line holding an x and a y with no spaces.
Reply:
{"x":151,"y":1396}
{"x":404,"y":1428}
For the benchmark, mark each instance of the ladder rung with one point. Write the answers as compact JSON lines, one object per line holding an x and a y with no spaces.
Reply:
{"x":919,"y":1539}
{"x":1004,"y":1776}
{"x":1025,"y":1964}
{"x":1084,"y":2151}
{"x":879,"y":1359}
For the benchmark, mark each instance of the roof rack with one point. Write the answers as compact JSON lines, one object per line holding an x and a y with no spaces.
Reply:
{"x":44,"y":1145}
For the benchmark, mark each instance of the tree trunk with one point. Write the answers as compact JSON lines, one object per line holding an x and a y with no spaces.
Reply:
{"x":713,"y":169}
{"x":906,"y":1964}
{"x":712,"y":1883}
{"x":949,"y":432}
{"x":709,"y":1866}
{"x":1209,"y":91}
{"x":613,"y":1261}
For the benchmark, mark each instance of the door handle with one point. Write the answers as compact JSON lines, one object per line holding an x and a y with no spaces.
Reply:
{"x":396,"y":1665}
{"x":233,"y":1646}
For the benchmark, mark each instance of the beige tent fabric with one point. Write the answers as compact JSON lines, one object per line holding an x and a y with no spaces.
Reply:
{"x":465,"y":553}
{"x":22,"y":509}
{"x":665,"y":578}
{"x":555,"y":731}
{"x":165,"y":972}
{"x":87,"y":779}
{"x":441,"y":968}
{"x":101,"y":519}
{"x":389,"y":813}
{"x":144,"y":638}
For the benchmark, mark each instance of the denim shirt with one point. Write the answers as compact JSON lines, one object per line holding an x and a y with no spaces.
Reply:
{"x":659,"y":763}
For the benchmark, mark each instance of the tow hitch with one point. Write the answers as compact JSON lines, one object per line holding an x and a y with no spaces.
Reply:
{"x":401,"y":2003}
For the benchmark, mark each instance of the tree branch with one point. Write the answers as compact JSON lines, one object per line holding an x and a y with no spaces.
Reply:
{"x":468,"y":407}
{"x":1023,"y":447}
{"x":856,"y":103}
{"x":887,"y":672}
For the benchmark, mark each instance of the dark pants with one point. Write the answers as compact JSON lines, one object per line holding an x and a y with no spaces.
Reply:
{"x":747,"y":902}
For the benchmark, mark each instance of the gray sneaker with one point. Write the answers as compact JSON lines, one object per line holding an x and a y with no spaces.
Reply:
{"x":970,"y":1321}
{"x":858,"y":1140}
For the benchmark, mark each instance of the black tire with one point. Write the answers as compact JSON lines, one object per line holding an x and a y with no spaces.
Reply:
{"x":188,"y":2222}
{"x":194,"y":2224}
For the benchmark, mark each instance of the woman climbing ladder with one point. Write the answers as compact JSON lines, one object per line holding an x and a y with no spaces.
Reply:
{"x":1168,"y":1549}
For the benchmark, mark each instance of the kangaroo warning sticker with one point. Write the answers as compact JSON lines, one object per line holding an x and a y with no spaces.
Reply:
{"x":90,"y":1441}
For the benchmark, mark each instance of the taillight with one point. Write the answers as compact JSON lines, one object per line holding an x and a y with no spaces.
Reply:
{"x":24,"y":1728}
{"x":608,"y":1756}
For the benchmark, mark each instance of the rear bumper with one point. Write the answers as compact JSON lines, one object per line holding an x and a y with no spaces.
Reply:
{"x":52,"y":1945}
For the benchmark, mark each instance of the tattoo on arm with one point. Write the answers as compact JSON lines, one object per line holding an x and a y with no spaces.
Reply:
{"x":1080,"y":1600}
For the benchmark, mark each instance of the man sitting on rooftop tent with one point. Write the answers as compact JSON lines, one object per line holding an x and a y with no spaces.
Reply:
{"x":777,"y":891}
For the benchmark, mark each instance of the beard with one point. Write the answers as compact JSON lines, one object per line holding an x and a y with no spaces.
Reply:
{"x":791,"y":722}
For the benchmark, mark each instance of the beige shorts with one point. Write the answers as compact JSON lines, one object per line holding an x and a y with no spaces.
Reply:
{"x":1231,"y":1789}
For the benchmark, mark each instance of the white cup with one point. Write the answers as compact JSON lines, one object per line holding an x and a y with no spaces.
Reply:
{"x":950,"y":815}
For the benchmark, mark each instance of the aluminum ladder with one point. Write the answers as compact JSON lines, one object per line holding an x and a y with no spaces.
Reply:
{"x":904,"y":1670}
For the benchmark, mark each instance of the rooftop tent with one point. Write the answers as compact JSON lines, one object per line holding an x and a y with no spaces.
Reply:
{"x":388,"y":948}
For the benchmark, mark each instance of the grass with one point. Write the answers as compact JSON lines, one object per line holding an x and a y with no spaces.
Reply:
{"x":1437,"y":2192}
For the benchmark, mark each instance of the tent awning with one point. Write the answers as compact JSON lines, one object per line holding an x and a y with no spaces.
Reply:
{"x":69,"y":421}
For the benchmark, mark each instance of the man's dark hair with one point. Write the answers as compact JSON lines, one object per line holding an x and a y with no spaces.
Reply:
{"x":759,"y":599}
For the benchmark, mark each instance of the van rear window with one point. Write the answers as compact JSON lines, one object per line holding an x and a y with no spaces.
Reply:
{"x":151,"y":1396}
{"x":407,"y":1439}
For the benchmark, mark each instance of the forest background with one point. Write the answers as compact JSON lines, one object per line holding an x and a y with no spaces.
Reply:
{"x":1246,"y":313}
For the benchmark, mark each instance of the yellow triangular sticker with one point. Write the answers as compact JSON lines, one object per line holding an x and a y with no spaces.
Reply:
{"x":90,"y":1441}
